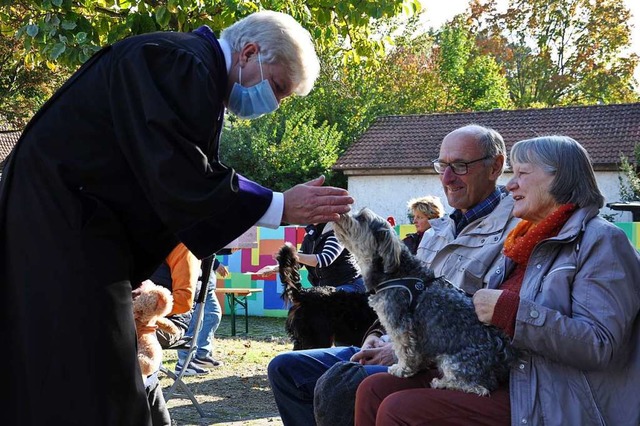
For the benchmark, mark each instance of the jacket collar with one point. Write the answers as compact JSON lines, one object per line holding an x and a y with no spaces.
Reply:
{"x":569,"y":232}
{"x":486,"y":225}
{"x":577,"y":222}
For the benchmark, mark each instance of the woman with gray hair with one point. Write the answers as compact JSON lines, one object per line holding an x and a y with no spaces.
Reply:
{"x":568,"y":294}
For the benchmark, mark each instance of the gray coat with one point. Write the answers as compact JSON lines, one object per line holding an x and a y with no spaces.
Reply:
{"x":579,"y":319}
{"x":468,"y":260}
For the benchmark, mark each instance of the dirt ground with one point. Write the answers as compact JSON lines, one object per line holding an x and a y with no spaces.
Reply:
{"x":238,"y":392}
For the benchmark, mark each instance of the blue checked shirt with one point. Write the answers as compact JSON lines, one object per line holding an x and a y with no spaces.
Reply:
{"x":481,"y":209}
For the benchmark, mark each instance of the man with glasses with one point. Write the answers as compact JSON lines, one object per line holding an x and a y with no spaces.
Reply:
{"x":471,"y":160}
{"x":464,"y":248}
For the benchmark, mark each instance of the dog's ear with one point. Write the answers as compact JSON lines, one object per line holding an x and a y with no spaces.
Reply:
{"x":389,"y":245}
{"x":390,"y":251}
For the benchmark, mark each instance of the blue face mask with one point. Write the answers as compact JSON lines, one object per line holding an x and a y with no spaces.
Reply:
{"x":254,"y":101}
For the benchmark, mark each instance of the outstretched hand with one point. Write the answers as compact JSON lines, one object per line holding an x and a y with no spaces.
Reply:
{"x":311,"y":202}
{"x":265,"y":271}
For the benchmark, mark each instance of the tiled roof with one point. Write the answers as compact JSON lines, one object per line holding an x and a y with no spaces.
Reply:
{"x":412,"y":141}
{"x":8,"y":138}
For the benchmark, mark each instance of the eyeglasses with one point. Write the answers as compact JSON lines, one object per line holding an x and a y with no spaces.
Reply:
{"x":457,"y":167}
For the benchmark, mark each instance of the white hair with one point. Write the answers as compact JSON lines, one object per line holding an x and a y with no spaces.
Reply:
{"x":281,"y":40}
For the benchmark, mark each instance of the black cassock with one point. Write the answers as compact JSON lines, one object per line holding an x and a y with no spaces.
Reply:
{"x":108,"y":176}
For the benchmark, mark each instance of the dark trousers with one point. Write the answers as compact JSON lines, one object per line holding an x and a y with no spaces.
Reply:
{"x":159,"y":411}
{"x":383,"y":399}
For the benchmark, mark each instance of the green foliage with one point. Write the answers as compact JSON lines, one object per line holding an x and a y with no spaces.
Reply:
{"x":630,"y":179}
{"x":283,"y":149}
{"x":538,"y":53}
{"x":411,"y":78}
{"x":22,"y":90}
{"x":70,"y":31}
{"x":475,"y":81}
{"x":560,"y":52}
{"x":422,"y":73}
{"x":483,"y":87}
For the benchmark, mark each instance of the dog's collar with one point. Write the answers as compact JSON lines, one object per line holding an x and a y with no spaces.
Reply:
{"x":413,"y":285}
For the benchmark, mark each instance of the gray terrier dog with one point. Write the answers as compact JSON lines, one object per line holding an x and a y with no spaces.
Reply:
{"x":430,"y":321}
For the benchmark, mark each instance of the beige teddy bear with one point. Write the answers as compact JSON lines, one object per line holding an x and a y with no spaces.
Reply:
{"x":151,"y":303}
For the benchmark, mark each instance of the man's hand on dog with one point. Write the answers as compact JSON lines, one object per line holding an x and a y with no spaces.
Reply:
{"x":375,"y":351}
{"x":311,"y":202}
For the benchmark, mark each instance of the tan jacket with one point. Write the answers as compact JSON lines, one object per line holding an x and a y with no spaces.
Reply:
{"x":470,"y":259}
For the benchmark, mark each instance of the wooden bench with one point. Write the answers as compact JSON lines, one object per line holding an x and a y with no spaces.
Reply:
{"x":235,"y":297}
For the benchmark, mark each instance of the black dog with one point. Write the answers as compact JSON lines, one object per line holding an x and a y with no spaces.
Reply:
{"x":320,"y":317}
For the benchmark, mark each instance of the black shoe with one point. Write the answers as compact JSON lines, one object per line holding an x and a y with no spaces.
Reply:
{"x":192,"y":370}
{"x":206,"y":362}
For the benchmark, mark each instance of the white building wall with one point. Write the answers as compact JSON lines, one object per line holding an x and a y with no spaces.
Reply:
{"x":388,"y":195}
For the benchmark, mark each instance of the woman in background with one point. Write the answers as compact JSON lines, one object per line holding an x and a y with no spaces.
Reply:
{"x":326,"y":260}
{"x":422,"y":211}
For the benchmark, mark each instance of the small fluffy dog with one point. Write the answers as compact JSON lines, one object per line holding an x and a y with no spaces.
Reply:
{"x":429,"y":320}
{"x":320,"y":317}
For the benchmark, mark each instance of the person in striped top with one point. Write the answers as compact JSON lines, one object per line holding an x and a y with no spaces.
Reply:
{"x":328,"y":262}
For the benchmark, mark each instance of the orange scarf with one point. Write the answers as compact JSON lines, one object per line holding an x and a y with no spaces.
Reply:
{"x":524,"y":237}
{"x":518,"y":246}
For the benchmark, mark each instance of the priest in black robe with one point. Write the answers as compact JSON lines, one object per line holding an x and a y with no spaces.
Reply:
{"x":113,"y":171}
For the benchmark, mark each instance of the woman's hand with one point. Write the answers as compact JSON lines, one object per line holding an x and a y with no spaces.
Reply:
{"x":267,"y":270}
{"x":222,"y":270}
{"x":485,"y":301}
